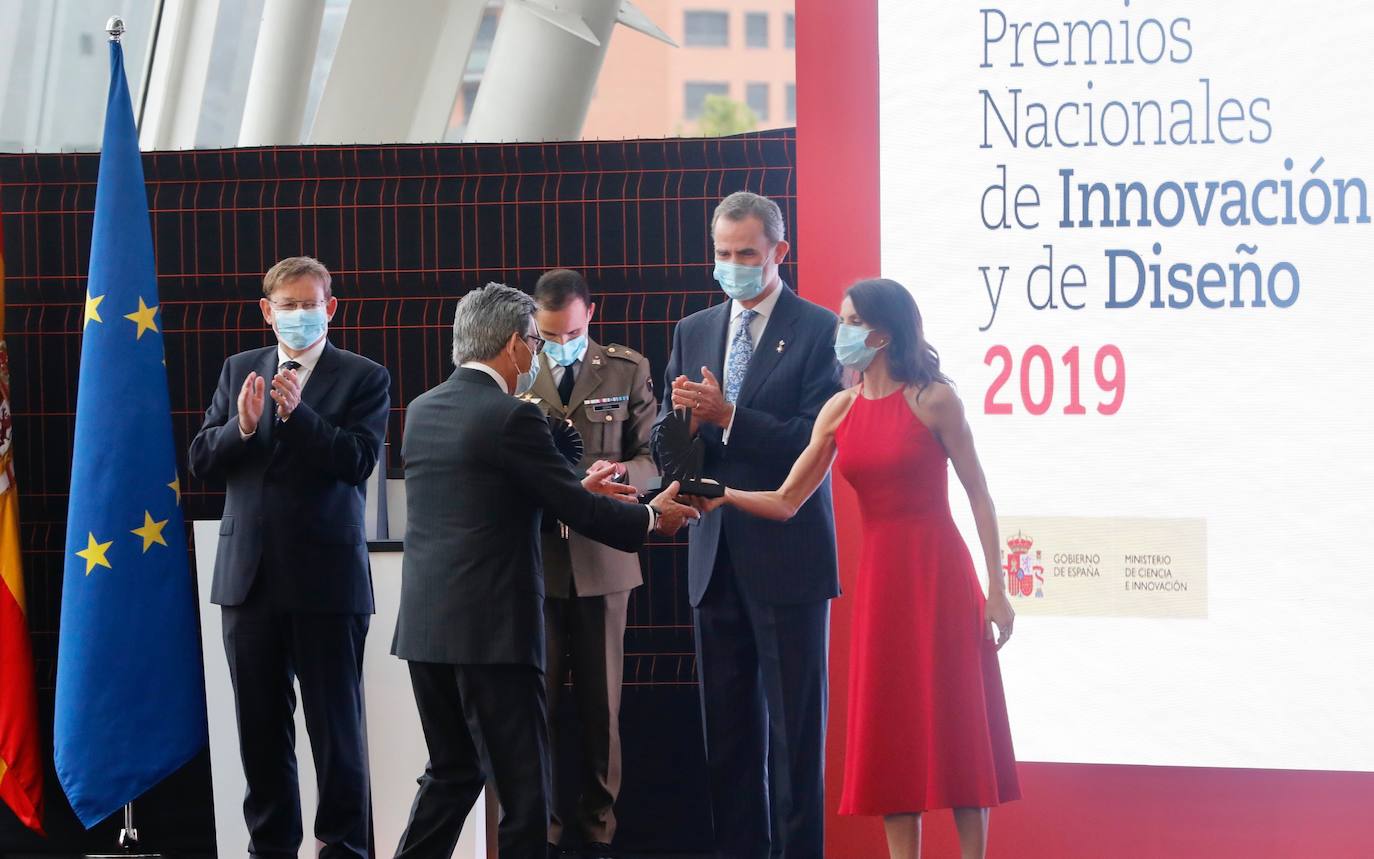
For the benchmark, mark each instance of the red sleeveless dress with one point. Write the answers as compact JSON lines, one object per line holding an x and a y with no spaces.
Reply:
{"x":927,"y":718}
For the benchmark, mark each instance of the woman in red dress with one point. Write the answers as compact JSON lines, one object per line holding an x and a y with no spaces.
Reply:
{"x":927,"y":719}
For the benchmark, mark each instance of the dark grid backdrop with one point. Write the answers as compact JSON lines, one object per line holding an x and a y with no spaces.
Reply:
{"x":406,"y":231}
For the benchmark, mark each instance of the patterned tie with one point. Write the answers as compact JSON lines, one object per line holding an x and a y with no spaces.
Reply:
{"x":741,"y":350}
{"x":290,"y":365}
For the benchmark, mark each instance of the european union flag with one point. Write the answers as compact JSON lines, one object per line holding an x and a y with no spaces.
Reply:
{"x":130,"y":691}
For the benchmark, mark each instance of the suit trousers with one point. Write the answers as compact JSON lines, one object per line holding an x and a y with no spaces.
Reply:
{"x":269,"y":649}
{"x":763,"y":700}
{"x":480,"y":721}
{"x":586,"y":636}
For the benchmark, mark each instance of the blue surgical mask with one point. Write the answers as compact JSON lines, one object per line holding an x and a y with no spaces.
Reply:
{"x":298,"y":329}
{"x":851,"y":347}
{"x":740,"y":282}
{"x":524,"y":381}
{"x":566,"y":354}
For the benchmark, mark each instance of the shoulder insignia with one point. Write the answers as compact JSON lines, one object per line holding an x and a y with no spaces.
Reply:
{"x":622,"y":352}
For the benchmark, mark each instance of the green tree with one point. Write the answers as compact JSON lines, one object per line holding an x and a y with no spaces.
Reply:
{"x":722,"y":115}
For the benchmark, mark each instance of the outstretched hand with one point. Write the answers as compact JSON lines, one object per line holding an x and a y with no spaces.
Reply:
{"x":601,"y":480}
{"x":672,"y":515}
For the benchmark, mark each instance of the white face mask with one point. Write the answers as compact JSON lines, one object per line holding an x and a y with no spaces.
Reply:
{"x":524,"y":381}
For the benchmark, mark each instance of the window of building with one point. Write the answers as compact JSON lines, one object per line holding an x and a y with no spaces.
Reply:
{"x":706,"y":29}
{"x":791,"y":102}
{"x":481,"y":45}
{"x":756,"y":30}
{"x":756,"y":96}
{"x":694,"y":96}
{"x":789,"y":31}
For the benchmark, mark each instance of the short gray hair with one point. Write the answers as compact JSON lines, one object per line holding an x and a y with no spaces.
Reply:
{"x":485,"y":320}
{"x":746,"y":204}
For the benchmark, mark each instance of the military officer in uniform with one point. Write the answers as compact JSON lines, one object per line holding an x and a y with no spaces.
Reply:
{"x":606,"y":392}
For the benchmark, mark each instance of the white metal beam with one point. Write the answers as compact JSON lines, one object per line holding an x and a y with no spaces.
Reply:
{"x":274,"y":111}
{"x":539,"y":80}
{"x":397,"y":71}
{"x":176,"y":85}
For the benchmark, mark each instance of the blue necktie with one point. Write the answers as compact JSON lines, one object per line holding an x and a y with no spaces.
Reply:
{"x":741,"y":350}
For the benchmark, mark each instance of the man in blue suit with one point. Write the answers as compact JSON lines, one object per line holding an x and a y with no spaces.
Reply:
{"x":294,"y":430}
{"x":761,"y":366}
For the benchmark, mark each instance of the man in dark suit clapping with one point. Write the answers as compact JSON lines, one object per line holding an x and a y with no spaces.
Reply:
{"x":294,"y":430}
{"x":481,"y":466}
{"x":756,"y":370}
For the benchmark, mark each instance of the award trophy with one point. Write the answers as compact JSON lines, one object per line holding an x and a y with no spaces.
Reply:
{"x":680,"y":456}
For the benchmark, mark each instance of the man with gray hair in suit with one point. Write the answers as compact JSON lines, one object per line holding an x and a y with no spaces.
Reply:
{"x":481,"y":466}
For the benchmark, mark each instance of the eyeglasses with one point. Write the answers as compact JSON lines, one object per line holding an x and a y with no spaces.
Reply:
{"x":285,"y":306}
{"x":534,"y":342}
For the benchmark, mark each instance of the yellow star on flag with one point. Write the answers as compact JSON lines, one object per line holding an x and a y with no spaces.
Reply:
{"x":151,"y":532}
{"x":94,"y":553}
{"x":92,"y":311}
{"x":175,"y":486}
{"x":143,"y":317}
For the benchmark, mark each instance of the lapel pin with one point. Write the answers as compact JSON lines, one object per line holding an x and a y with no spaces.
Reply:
{"x":782,"y":344}
{"x":596,"y":360}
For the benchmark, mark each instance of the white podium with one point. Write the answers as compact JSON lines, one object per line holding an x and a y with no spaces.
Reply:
{"x":396,"y":743}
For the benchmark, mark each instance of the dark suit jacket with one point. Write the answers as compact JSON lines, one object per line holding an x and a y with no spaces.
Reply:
{"x":294,"y":506}
{"x":791,"y":376}
{"x":480,"y":466}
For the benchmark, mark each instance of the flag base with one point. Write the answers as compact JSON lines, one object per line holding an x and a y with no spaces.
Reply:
{"x":128,"y":842}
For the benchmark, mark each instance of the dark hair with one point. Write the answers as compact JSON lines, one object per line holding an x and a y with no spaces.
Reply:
{"x":887,"y":305}
{"x":557,"y":288}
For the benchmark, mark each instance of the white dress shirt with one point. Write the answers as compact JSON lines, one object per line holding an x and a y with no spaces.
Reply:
{"x":557,"y":370}
{"x":764,"y":309}
{"x":307,"y":360}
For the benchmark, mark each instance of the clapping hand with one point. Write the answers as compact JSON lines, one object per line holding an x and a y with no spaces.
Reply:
{"x":286,"y":391}
{"x":671,"y":514}
{"x":251,"y":402}
{"x":704,"y":398}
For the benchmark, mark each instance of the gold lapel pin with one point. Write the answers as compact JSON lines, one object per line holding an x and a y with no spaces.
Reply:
{"x":596,"y":360}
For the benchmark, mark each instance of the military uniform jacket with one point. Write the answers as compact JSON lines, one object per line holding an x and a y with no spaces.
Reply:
{"x":613,"y":407}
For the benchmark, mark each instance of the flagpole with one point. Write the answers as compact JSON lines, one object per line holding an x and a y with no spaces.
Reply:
{"x":128,"y":836}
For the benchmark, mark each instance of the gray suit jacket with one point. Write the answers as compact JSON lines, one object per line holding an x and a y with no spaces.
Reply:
{"x":480,"y":466}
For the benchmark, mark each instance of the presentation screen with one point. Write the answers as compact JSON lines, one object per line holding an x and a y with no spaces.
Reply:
{"x":1139,"y":234}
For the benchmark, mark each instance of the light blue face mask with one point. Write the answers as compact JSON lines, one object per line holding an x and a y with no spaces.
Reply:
{"x":566,"y":354}
{"x":740,"y":282}
{"x":524,"y":381}
{"x":851,"y":347}
{"x":299,"y":329}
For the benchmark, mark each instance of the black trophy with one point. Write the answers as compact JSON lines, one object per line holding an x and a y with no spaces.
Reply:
{"x":567,"y":439}
{"x":680,"y":456}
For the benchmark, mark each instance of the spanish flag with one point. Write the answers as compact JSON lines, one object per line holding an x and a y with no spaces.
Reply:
{"x":21,"y":768}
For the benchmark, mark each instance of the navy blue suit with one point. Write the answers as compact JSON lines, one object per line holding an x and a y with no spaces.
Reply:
{"x":761,"y":589}
{"x":293,"y":578}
